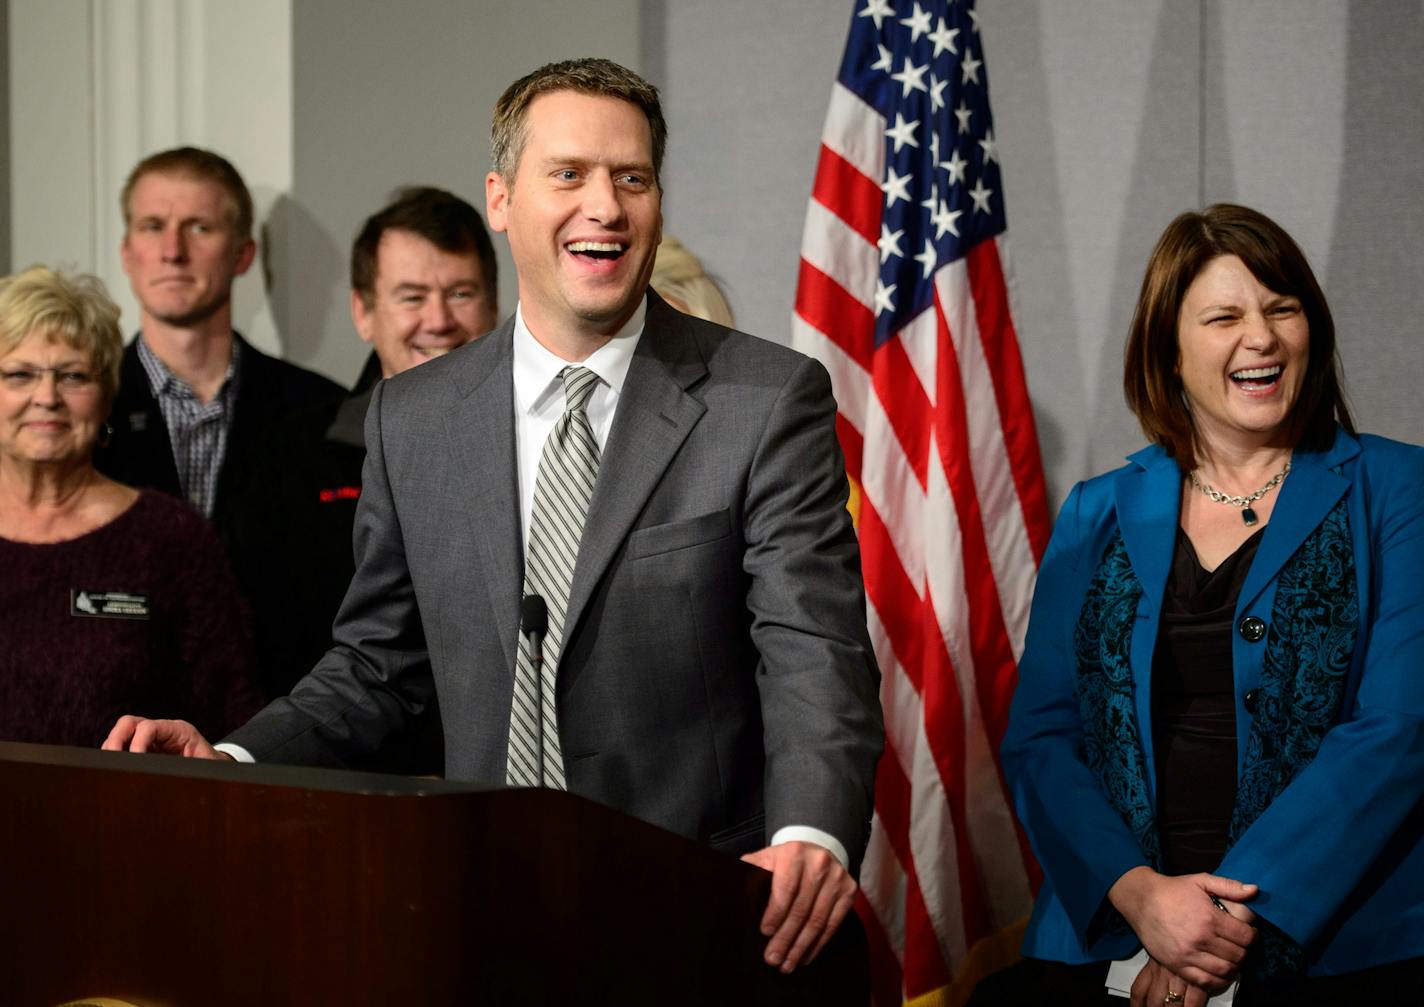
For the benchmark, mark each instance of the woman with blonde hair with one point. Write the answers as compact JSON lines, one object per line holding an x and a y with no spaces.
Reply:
{"x":679,"y":279}
{"x":114,"y":599}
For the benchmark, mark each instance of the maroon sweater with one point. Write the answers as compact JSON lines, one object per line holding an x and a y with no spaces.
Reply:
{"x":182,"y":651}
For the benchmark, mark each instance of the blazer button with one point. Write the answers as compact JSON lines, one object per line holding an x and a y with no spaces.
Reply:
{"x":1253,"y":630}
{"x":1249,"y":700}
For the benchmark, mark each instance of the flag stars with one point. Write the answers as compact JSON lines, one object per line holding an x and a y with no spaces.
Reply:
{"x":911,"y":78}
{"x":918,"y":23}
{"x":962,"y":113}
{"x":895,"y":187}
{"x":903,"y":132}
{"x":927,"y":259}
{"x":945,"y":221}
{"x":889,"y":243}
{"x":934,"y":147}
{"x":883,"y":63}
{"x":991,"y":149}
{"x":937,"y":93}
{"x":970,"y":66}
{"x":980,"y":195}
{"x":955,"y":166}
{"x":878,"y":10}
{"x":974,"y":17}
{"x":943,"y":38}
{"x":884,"y":297}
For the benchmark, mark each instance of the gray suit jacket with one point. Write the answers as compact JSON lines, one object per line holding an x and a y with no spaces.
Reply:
{"x":716,"y":676}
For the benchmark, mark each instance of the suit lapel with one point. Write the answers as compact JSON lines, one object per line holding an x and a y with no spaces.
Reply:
{"x":481,"y":431}
{"x":654,"y":416}
{"x":1307,"y":495}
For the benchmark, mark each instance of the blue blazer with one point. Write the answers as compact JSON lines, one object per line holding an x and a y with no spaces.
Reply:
{"x":1335,"y":845}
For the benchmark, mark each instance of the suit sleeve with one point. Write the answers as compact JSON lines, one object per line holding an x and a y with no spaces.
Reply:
{"x":376,"y":677}
{"x":1079,"y":838}
{"x":817,"y":677}
{"x":1319,"y":839}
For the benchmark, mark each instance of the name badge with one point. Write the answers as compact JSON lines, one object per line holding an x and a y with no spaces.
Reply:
{"x":108,"y":604}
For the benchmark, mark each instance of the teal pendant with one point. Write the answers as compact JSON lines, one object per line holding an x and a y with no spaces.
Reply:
{"x":1249,"y":516}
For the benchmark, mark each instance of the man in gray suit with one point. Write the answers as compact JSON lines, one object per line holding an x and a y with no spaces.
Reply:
{"x":711,"y":671}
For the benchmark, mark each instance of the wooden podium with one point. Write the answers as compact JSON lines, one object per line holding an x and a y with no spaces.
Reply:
{"x":170,"y":882}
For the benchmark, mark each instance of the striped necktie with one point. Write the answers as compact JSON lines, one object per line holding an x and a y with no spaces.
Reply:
{"x":562,"y":489}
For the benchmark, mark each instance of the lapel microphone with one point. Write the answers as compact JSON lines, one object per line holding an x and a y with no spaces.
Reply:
{"x":534,"y":623}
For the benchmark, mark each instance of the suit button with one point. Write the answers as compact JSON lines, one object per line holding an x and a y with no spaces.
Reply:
{"x":1252,"y":629}
{"x":1249,"y":700}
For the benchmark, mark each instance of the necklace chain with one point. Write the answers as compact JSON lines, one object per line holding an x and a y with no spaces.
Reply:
{"x":1231,"y":501}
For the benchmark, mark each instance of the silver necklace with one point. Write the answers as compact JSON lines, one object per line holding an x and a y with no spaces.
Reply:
{"x":1248,"y":515}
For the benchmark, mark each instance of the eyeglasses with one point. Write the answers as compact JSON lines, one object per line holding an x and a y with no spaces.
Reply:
{"x":66,"y":379}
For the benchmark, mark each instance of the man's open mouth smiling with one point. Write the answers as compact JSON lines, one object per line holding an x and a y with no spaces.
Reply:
{"x":601,"y":250}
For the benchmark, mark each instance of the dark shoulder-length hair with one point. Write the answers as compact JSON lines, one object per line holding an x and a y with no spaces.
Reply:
{"x":1151,"y":380}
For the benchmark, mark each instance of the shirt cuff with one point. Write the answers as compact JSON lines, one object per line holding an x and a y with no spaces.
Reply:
{"x":238,"y":753}
{"x":806,"y":834}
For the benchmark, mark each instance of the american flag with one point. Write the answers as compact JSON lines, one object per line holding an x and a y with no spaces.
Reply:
{"x":903,"y":294}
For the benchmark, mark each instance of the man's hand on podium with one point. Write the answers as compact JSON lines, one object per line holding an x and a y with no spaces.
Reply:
{"x":169,"y":737}
{"x":810,"y":894}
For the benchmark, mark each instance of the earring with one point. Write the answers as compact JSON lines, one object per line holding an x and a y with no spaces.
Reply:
{"x":106,"y":433}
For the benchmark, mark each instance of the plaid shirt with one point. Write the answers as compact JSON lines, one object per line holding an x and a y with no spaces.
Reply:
{"x":197,"y":431}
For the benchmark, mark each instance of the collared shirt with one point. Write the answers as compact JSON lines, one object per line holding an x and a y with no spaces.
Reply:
{"x":198,"y":431}
{"x":539,"y":395}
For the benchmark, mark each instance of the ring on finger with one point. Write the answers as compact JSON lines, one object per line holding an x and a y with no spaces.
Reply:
{"x":1172,"y":998}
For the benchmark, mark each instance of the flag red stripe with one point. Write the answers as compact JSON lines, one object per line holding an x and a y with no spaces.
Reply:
{"x":891,"y":592}
{"x":919,"y":646}
{"x":885,"y":978}
{"x":994,"y":667}
{"x":826,"y":306}
{"x":995,"y":671}
{"x":906,"y":405}
{"x":945,"y":728}
{"x":843,"y":189}
{"x":1001,"y":350}
{"x":925,"y":968}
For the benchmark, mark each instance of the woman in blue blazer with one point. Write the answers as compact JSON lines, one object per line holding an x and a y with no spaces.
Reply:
{"x":1217,"y":742}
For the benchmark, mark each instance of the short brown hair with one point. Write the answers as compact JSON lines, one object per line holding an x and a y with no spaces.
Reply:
{"x":441,"y":218}
{"x":72,"y":308}
{"x":204,"y":165}
{"x":1150,"y":379}
{"x":508,"y":130}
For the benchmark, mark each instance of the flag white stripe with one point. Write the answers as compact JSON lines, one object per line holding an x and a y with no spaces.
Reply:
{"x":849,"y":382}
{"x":839,"y":251}
{"x":1006,"y":535}
{"x":856,"y":132}
{"x":885,"y":883}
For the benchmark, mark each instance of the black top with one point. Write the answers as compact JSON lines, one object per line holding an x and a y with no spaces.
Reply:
{"x":1194,"y":707}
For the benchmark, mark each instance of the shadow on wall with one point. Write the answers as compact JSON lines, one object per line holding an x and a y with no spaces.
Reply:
{"x":1165,"y":181}
{"x":1038,"y":243}
{"x":322,"y":269}
{"x":1376,"y":271}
